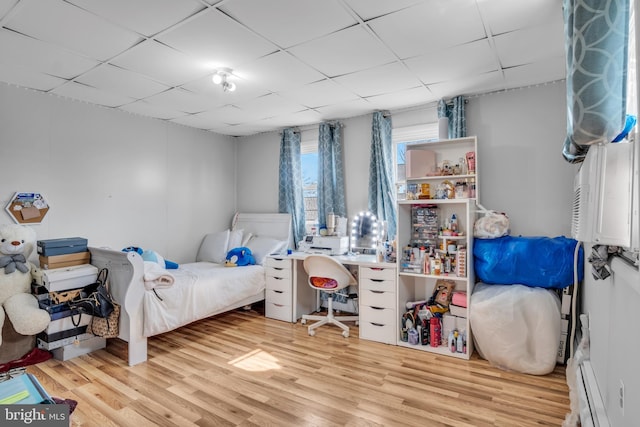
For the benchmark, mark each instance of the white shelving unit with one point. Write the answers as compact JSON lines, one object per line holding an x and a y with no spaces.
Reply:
{"x":417,"y":286}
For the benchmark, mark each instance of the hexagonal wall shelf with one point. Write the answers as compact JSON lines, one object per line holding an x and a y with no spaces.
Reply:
{"x":27,"y":208}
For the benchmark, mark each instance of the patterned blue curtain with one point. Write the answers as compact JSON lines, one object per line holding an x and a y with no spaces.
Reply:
{"x":596,"y":41}
{"x":330,"y":172}
{"x":381,"y":187}
{"x":290,"y":197}
{"x":456,"y":115}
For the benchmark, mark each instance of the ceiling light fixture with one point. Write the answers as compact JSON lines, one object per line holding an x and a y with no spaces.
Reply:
{"x":220,"y":78}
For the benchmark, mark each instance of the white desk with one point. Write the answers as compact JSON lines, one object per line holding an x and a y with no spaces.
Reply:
{"x":289,"y":296}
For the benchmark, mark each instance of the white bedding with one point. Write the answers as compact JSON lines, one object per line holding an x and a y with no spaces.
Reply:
{"x":200,"y":290}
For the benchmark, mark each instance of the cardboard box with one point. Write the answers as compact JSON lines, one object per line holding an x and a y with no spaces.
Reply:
{"x":66,"y":260}
{"x":70,"y":351}
{"x":68,"y":245}
{"x":63,"y":279}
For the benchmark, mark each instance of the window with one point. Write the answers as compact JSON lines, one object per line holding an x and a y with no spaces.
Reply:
{"x":401,"y":137}
{"x":309,"y":160}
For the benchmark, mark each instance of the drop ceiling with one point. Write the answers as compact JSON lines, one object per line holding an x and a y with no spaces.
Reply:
{"x":295,"y":62}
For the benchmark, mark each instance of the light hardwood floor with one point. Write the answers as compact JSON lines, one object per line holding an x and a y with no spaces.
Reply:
{"x":242,"y":369}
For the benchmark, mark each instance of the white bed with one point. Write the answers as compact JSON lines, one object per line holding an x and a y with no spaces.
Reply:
{"x":200,"y":289}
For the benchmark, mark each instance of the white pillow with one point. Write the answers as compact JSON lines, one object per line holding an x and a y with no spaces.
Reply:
{"x":246,"y":238}
{"x":235,"y":239}
{"x":214,"y":247}
{"x":261,"y":246}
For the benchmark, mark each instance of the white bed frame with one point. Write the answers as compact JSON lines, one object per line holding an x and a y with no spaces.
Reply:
{"x":126,"y":271}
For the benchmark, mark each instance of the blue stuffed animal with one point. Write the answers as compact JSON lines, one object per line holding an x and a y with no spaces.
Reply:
{"x":152,"y":256}
{"x":239,"y":257}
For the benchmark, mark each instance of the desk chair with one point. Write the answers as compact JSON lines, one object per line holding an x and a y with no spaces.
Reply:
{"x":328,"y":275}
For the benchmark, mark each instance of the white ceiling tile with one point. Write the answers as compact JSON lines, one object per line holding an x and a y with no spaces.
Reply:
{"x":197,"y":121}
{"x":183,"y":100}
{"x":300,"y":118}
{"x":92,"y":95}
{"x":469,"y":85}
{"x":17,"y":49}
{"x":454,"y":63}
{"x":346,"y":51}
{"x":147,"y":17}
{"x":145,"y":108}
{"x":162,"y":63}
{"x":27,"y":78}
{"x":278,"y":71}
{"x":5,"y":6}
{"x":530,"y":45}
{"x":429,"y":26}
{"x":228,"y":114}
{"x":269,"y":106}
{"x":508,"y":15}
{"x":537,"y":72}
{"x":290,"y":22}
{"x":345,"y":109}
{"x":319,"y":94}
{"x":61,"y":23}
{"x":379,"y":80}
{"x":368,"y":9}
{"x":121,"y":81}
{"x":217,"y":39}
{"x":404,"y":98}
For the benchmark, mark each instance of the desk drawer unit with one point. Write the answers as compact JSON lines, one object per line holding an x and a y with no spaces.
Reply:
{"x":377,"y":297}
{"x":278,"y":292}
{"x":378,"y":324}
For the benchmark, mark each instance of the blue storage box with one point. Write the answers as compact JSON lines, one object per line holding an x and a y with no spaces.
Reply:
{"x":67,"y":245}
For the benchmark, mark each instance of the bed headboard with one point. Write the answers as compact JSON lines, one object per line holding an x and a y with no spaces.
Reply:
{"x":277,"y":225}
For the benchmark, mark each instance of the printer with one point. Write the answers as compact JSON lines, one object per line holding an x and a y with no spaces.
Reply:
{"x":328,"y":245}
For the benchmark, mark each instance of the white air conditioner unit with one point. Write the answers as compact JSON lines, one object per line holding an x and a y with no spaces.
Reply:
{"x":604,"y":197}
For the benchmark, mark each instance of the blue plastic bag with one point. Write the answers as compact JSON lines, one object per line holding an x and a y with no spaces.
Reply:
{"x":546,"y":262}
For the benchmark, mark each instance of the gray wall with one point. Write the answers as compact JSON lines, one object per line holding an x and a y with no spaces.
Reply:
{"x":115,"y":178}
{"x":521,"y":169}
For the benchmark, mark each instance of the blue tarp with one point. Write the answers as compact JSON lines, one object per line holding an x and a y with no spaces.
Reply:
{"x":546,"y":262}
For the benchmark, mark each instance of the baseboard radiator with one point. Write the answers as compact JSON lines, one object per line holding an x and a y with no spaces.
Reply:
{"x":587,"y":407}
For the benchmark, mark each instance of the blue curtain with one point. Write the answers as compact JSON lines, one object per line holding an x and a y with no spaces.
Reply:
{"x":456,"y":115}
{"x":330,"y":172}
{"x":596,"y":41}
{"x":290,"y":197}
{"x":381,"y":186}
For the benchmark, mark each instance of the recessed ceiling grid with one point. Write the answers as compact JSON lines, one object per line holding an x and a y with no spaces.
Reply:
{"x":295,"y":62}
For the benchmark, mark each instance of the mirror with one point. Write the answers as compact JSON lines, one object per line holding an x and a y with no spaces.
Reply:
{"x":364,"y":232}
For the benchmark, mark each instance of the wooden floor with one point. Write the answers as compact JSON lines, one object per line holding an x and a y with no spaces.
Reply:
{"x":242,"y":369}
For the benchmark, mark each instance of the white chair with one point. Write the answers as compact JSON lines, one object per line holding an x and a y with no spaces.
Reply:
{"x":328,"y":275}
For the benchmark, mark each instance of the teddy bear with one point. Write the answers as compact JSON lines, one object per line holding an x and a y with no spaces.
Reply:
{"x":16,"y":273}
{"x":239,"y":257}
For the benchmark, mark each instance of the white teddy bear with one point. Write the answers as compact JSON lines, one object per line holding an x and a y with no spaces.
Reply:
{"x":21,"y":307}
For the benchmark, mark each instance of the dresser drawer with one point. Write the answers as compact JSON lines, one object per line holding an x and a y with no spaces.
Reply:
{"x":378,"y":273}
{"x":278,"y":312}
{"x":278,"y":262}
{"x":377,"y":299}
{"x":283,"y":273}
{"x":384,"y":285}
{"x":278,"y":284}
{"x":376,"y":332}
{"x":278,"y":297}
{"x":378,"y":315}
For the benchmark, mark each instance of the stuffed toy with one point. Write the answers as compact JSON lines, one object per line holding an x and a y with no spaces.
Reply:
{"x":239,"y":257}
{"x":152,"y":256}
{"x":16,"y":273}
